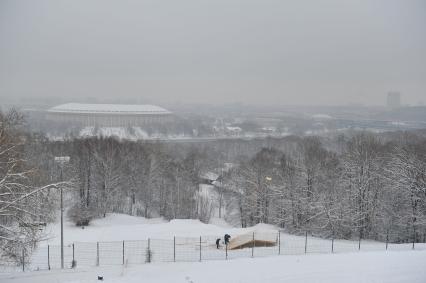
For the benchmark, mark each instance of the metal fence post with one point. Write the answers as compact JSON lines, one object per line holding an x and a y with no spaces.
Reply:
{"x":97,"y":253}
{"x":414,"y":239}
{"x":200,"y":248}
{"x":73,"y":253}
{"x":226,"y":251}
{"x":123,"y":252}
{"x":252,"y":247}
{"x":387,"y":239}
{"x":306,"y":241}
{"x":174,"y":248}
{"x":359,"y":244}
{"x":279,"y":242}
{"x":48,"y":257}
{"x":332,"y":245}
{"x":23,"y":259}
{"x":149,"y":251}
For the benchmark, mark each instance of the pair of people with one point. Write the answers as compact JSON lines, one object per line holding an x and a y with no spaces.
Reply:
{"x":225,"y":238}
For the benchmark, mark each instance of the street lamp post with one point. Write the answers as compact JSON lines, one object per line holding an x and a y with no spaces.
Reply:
{"x":62,"y":160}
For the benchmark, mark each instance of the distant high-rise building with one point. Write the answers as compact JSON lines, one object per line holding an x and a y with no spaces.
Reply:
{"x":394,"y":99}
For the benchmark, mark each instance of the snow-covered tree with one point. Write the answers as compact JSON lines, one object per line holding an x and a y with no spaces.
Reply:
{"x":22,"y":207}
{"x":407,"y":172}
{"x":362,"y":164}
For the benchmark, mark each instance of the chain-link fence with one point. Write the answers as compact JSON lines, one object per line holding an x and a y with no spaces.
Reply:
{"x":180,"y":249}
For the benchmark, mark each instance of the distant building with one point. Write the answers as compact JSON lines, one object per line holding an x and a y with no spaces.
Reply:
{"x":394,"y":99}
{"x":109,"y":115}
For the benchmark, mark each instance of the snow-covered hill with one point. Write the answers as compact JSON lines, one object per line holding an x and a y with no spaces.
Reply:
{"x":119,"y":227}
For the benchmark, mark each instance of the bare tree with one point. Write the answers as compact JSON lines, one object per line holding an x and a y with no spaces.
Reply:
{"x":408,"y":175}
{"x":21,"y":203}
{"x":362,"y":164}
{"x":108,"y":165}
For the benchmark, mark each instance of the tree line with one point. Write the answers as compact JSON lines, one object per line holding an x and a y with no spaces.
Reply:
{"x":366,"y":189}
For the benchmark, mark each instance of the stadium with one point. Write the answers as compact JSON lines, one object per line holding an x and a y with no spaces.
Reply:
{"x":108,"y":115}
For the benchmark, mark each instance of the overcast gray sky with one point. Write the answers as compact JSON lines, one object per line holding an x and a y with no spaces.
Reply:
{"x":215,"y":51}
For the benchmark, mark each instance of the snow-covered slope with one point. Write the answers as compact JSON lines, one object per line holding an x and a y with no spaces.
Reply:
{"x":119,"y":227}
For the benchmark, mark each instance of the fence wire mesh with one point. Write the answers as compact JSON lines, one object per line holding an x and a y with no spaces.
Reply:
{"x":184,"y":249}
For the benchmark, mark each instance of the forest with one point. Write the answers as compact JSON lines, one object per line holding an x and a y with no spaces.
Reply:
{"x":349,"y":185}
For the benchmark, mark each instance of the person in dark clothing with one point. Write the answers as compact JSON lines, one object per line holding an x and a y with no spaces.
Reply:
{"x":217,"y":243}
{"x":226,"y":238}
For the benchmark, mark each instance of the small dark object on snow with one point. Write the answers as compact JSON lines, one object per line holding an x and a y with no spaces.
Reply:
{"x":217,"y":243}
{"x":226,"y":238}
{"x":82,"y":223}
{"x":101,"y":278}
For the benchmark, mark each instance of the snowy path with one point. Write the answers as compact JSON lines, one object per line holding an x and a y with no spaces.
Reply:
{"x":396,"y":266}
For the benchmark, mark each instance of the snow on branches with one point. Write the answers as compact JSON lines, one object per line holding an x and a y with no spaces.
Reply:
{"x":22,"y":207}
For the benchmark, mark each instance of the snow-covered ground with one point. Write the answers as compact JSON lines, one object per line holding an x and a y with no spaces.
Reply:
{"x":119,"y":239}
{"x":119,"y":227}
{"x":122,"y":227}
{"x":401,"y":266}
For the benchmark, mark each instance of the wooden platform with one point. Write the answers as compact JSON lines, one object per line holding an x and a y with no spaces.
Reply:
{"x":246,"y":241}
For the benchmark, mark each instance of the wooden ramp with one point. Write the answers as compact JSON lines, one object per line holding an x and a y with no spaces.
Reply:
{"x":247,"y":241}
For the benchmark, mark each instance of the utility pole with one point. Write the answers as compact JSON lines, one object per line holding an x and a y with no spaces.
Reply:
{"x":62,"y":223}
{"x":61,"y":160}
{"x":221,"y":191}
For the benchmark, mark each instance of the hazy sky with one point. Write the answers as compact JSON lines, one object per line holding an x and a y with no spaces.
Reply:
{"x":215,"y":51}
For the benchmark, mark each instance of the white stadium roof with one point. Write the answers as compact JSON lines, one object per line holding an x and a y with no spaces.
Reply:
{"x":81,"y":108}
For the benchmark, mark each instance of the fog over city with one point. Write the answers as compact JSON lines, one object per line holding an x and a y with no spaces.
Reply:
{"x":211,"y":136}
{"x":327,"y":52}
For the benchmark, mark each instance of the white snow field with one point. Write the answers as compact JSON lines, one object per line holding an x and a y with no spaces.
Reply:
{"x":111,"y":243}
{"x":368,"y":267}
